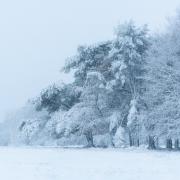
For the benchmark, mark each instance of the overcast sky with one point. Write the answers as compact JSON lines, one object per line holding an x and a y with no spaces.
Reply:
{"x":36,"y":36}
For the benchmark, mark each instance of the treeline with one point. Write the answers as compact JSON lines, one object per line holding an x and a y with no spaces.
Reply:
{"x":126,"y":92}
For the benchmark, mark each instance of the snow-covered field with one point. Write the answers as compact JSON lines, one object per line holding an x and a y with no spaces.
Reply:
{"x":87,"y":164}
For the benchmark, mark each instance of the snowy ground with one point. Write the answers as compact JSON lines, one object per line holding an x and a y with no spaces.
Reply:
{"x":87,"y":164}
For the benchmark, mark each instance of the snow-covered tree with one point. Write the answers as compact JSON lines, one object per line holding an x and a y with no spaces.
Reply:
{"x":121,"y":62}
{"x":128,"y":56}
{"x":89,"y":58}
{"x":163,"y":85}
{"x":26,"y":124}
{"x":89,"y":116}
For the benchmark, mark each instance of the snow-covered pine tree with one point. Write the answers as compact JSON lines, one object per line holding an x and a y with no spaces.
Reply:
{"x":128,"y":57}
{"x":89,"y":58}
{"x":121,"y":62}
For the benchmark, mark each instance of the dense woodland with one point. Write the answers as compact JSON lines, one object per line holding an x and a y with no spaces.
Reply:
{"x":126,"y":92}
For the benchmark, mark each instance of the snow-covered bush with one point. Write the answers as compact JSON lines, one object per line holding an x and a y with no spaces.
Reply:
{"x":121,"y":138}
{"x":26,"y":124}
{"x":103,"y":141}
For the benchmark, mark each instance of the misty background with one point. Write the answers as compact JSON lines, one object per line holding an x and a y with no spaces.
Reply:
{"x":36,"y":36}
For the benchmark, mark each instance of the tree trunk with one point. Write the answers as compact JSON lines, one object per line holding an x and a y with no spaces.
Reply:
{"x":169,"y":144}
{"x":112,"y":133}
{"x":131,"y":140}
{"x":89,"y":138}
{"x":157,"y":143}
{"x":138,"y":143}
{"x":176,"y":144}
{"x":151,"y":143}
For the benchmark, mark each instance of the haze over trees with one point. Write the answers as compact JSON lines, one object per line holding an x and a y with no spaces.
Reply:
{"x":126,"y":92}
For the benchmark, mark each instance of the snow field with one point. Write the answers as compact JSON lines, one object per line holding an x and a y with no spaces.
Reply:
{"x":87,"y":164}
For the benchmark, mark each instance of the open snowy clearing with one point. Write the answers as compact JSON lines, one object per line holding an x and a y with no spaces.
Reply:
{"x":87,"y":164}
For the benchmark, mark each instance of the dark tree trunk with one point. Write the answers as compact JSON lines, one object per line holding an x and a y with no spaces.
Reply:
{"x":131,"y":140}
{"x":157,"y":143}
{"x":176,"y":144}
{"x":89,"y":138}
{"x":151,"y":143}
{"x":169,"y":144}
{"x":134,"y":142}
{"x":138,"y":142}
{"x":112,"y":133}
{"x":22,"y":125}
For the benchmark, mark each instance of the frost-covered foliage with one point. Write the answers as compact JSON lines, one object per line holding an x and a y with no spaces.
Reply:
{"x":32,"y":125}
{"x":163,"y":84}
{"x":119,"y":64}
{"x":103,"y":99}
{"x":89,"y":58}
{"x":128,"y":53}
{"x":58,"y":97}
{"x":125,"y":91}
{"x":88,"y":117}
{"x":25,"y":125}
{"x":121,"y":138}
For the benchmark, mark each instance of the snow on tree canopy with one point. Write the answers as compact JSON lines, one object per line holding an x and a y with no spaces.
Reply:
{"x":104,"y":98}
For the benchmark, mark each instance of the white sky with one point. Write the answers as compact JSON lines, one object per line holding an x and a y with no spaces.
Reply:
{"x":36,"y":36}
